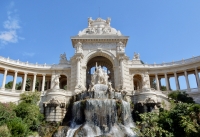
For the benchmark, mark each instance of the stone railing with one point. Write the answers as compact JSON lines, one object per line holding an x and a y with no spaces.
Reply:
{"x":191,"y":90}
{"x":180,"y":62}
{"x":11,"y":91}
{"x":26,"y":64}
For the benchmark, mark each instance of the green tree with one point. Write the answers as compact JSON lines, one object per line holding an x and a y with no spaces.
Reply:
{"x":149,"y":126}
{"x":29,"y":111}
{"x":181,"y":96}
{"x":9,"y":85}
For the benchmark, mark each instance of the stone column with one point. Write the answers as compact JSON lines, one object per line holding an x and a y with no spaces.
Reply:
{"x":34,"y":81}
{"x":4,"y":79}
{"x":177,"y":82}
{"x":187,"y":81}
{"x":14,"y":80}
{"x":133,"y":82}
{"x":157,"y":82}
{"x":78,"y":71}
{"x":159,"y":79}
{"x":47,"y":84}
{"x":169,"y":83}
{"x":24,"y":81}
{"x":122,"y":70}
{"x":39,"y":86}
{"x":197,"y":77}
{"x":166,"y":81}
{"x":43,"y":82}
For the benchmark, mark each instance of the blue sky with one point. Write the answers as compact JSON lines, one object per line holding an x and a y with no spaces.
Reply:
{"x":39,"y":31}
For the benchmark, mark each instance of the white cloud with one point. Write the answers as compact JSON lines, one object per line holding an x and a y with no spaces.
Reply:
{"x":28,"y":54}
{"x":11,"y":26}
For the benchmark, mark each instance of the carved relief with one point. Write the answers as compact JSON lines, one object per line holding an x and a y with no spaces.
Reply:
{"x":99,"y":27}
{"x":78,"y":47}
{"x":93,"y":46}
{"x":120,"y":47}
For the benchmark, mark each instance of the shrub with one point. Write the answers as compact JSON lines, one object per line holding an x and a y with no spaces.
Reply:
{"x":30,"y":97}
{"x":6,"y":112}
{"x":4,"y":131}
{"x":181,"y":96}
{"x":17,"y":127}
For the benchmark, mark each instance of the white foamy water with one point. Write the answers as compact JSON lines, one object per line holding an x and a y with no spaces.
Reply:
{"x":72,"y":130}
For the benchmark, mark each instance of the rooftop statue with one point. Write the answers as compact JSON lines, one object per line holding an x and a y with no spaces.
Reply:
{"x":99,"y":27}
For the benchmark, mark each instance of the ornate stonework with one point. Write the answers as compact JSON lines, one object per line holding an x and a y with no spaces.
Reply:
{"x":100,"y":43}
{"x":99,"y":27}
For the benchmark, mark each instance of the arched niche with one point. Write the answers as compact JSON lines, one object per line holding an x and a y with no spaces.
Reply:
{"x":137,"y":81}
{"x":63,"y":82}
{"x":102,"y":61}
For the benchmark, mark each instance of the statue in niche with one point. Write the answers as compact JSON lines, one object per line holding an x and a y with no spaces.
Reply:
{"x":145,"y":82}
{"x":56,"y":82}
{"x":136,"y":55}
{"x":63,"y":56}
{"x":100,"y":76}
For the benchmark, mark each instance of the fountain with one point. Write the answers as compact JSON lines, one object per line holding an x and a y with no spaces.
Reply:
{"x":101,"y":111}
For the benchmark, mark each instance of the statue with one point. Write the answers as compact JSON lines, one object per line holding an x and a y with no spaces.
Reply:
{"x":63,"y":56}
{"x":100,"y":76}
{"x":56,"y":82}
{"x":108,"y":21}
{"x":145,"y":83}
{"x":90,"y":21}
{"x":110,"y":87}
{"x":136,"y":55}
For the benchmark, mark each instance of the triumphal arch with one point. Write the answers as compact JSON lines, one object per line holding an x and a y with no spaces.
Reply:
{"x":99,"y":58}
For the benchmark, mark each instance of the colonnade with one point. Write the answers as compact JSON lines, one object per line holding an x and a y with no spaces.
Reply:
{"x":43,"y":80}
{"x":176,"y":75}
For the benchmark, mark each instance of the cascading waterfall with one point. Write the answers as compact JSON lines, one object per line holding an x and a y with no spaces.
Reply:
{"x":101,"y":112}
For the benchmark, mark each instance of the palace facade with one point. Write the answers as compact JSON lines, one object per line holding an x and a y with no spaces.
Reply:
{"x":98,"y":45}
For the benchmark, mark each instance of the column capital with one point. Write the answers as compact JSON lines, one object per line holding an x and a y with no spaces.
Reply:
{"x":34,"y":74}
{"x":43,"y":74}
{"x":6,"y":69}
{"x":185,"y":70}
{"x":16,"y":71}
{"x":78,"y":58}
{"x":25,"y":73}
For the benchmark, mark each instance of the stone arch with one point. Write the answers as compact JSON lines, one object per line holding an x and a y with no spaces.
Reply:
{"x":103,"y":62}
{"x":100,"y":52}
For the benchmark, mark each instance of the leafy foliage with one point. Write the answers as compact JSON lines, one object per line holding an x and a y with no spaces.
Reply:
{"x":18,"y":127}
{"x":183,"y":119}
{"x":20,"y":120}
{"x":4,"y":131}
{"x":181,"y":96}
{"x":150,"y":127}
{"x":30,"y":97}
{"x":6,"y":112}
